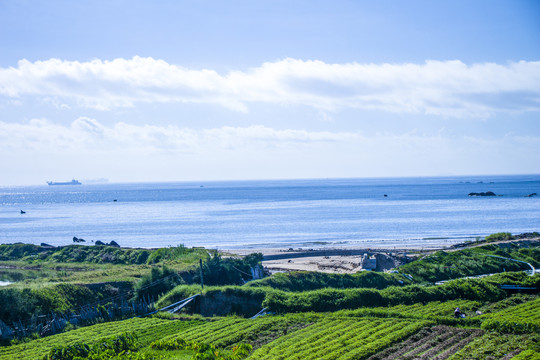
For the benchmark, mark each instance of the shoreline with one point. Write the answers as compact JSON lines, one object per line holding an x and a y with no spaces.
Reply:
{"x":348,"y":259}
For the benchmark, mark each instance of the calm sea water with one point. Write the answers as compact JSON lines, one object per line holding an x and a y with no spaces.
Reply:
{"x":419,"y":212}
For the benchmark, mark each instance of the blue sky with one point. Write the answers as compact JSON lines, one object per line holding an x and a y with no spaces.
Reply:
{"x":212,"y":90}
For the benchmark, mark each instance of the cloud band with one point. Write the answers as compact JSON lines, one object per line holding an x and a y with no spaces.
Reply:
{"x":445,"y":88}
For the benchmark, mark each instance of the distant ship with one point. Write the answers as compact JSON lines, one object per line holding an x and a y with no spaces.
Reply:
{"x":72,"y":182}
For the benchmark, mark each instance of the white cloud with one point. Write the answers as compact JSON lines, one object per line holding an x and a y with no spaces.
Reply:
{"x":85,"y":134}
{"x":445,"y":88}
{"x":41,"y":149}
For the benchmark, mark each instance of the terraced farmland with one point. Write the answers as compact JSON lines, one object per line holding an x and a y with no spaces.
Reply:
{"x":438,"y":342}
{"x":339,"y":338}
{"x":343,"y":335}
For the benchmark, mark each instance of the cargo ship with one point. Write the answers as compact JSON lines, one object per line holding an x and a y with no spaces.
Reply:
{"x":72,"y":182}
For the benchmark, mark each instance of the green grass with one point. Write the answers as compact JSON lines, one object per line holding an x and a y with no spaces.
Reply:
{"x":445,"y":265}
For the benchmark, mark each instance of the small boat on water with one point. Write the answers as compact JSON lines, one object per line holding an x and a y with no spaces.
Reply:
{"x":72,"y":182}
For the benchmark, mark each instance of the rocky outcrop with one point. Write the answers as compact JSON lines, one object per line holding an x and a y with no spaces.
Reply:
{"x":112,"y":243}
{"x":488,"y":193}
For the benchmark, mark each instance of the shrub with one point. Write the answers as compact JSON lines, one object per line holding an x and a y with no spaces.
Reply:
{"x":170,"y":253}
{"x":104,"y":349}
{"x":158,"y":282}
{"x":311,"y":280}
{"x":499,"y":237}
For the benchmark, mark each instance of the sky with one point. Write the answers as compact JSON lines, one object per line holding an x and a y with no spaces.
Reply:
{"x":137,"y":91}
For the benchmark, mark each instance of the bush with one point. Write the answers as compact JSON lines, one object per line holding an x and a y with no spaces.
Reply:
{"x":170,"y":253}
{"x":321,"y":300}
{"x":305,"y":280}
{"x":228,"y":271}
{"x":469,"y":262}
{"x":104,"y":349}
{"x":158,"y":282}
{"x":499,"y":237}
{"x":202,"y":350}
{"x":337,"y":299}
{"x":20,"y":304}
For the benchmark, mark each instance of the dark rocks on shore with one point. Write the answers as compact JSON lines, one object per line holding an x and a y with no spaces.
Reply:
{"x":528,"y":235}
{"x":488,"y":193}
{"x":112,"y":243}
{"x":78,"y":240}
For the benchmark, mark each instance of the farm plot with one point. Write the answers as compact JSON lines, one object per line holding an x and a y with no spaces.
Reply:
{"x":495,"y":346}
{"x":438,"y":342}
{"x":229,"y":331}
{"x":147,"y":330}
{"x":339,"y":338}
{"x":519,"y":319}
{"x":528,"y":312}
{"x":434,"y":309}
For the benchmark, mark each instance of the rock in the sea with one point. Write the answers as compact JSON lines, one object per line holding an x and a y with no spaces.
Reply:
{"x":488,"y":193}
{"x":112,"y":243}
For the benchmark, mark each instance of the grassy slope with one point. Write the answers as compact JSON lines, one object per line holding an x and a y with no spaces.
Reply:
{"x":94,"y":264}
{"x":444,"y":265}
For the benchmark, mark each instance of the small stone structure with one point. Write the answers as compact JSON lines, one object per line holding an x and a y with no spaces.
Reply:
{"x":368,"y":262}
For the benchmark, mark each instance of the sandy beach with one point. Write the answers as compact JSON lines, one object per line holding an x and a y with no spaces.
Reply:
{"x":331,"y":260}
{"x":347,"y":259}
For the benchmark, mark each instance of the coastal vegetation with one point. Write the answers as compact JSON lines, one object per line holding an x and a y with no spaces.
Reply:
{"x":309,"y":315}
{"x":487,"y":259}
{"x":305,"y":281}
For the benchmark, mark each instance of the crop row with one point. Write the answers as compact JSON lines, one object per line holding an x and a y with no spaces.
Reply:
{"x":494,"y":346}
{"x":147,"y":330}
{"x":439,"y":341}
{"x":227,"y":332}
{"x":251,"y":331}
{"x":518,"y":319}
{"x":338,"y":338}
{"x":203,"y":330}
{"x":529,"y":311}
{"x":434,"y":309}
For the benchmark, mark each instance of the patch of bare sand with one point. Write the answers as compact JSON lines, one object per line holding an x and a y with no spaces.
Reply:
{"x":345,"y":259}
{"x":328,"y":264}
{"x":329,"y":260}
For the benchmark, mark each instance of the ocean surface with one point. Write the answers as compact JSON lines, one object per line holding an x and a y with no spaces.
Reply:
{"x":417,"y":212}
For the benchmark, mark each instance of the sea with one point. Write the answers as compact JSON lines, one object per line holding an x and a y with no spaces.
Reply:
{"x":385,"y":213}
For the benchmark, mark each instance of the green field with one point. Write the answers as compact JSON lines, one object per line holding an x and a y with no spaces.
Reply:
{"x":310,"y":315}
{"x":347,"y":334}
